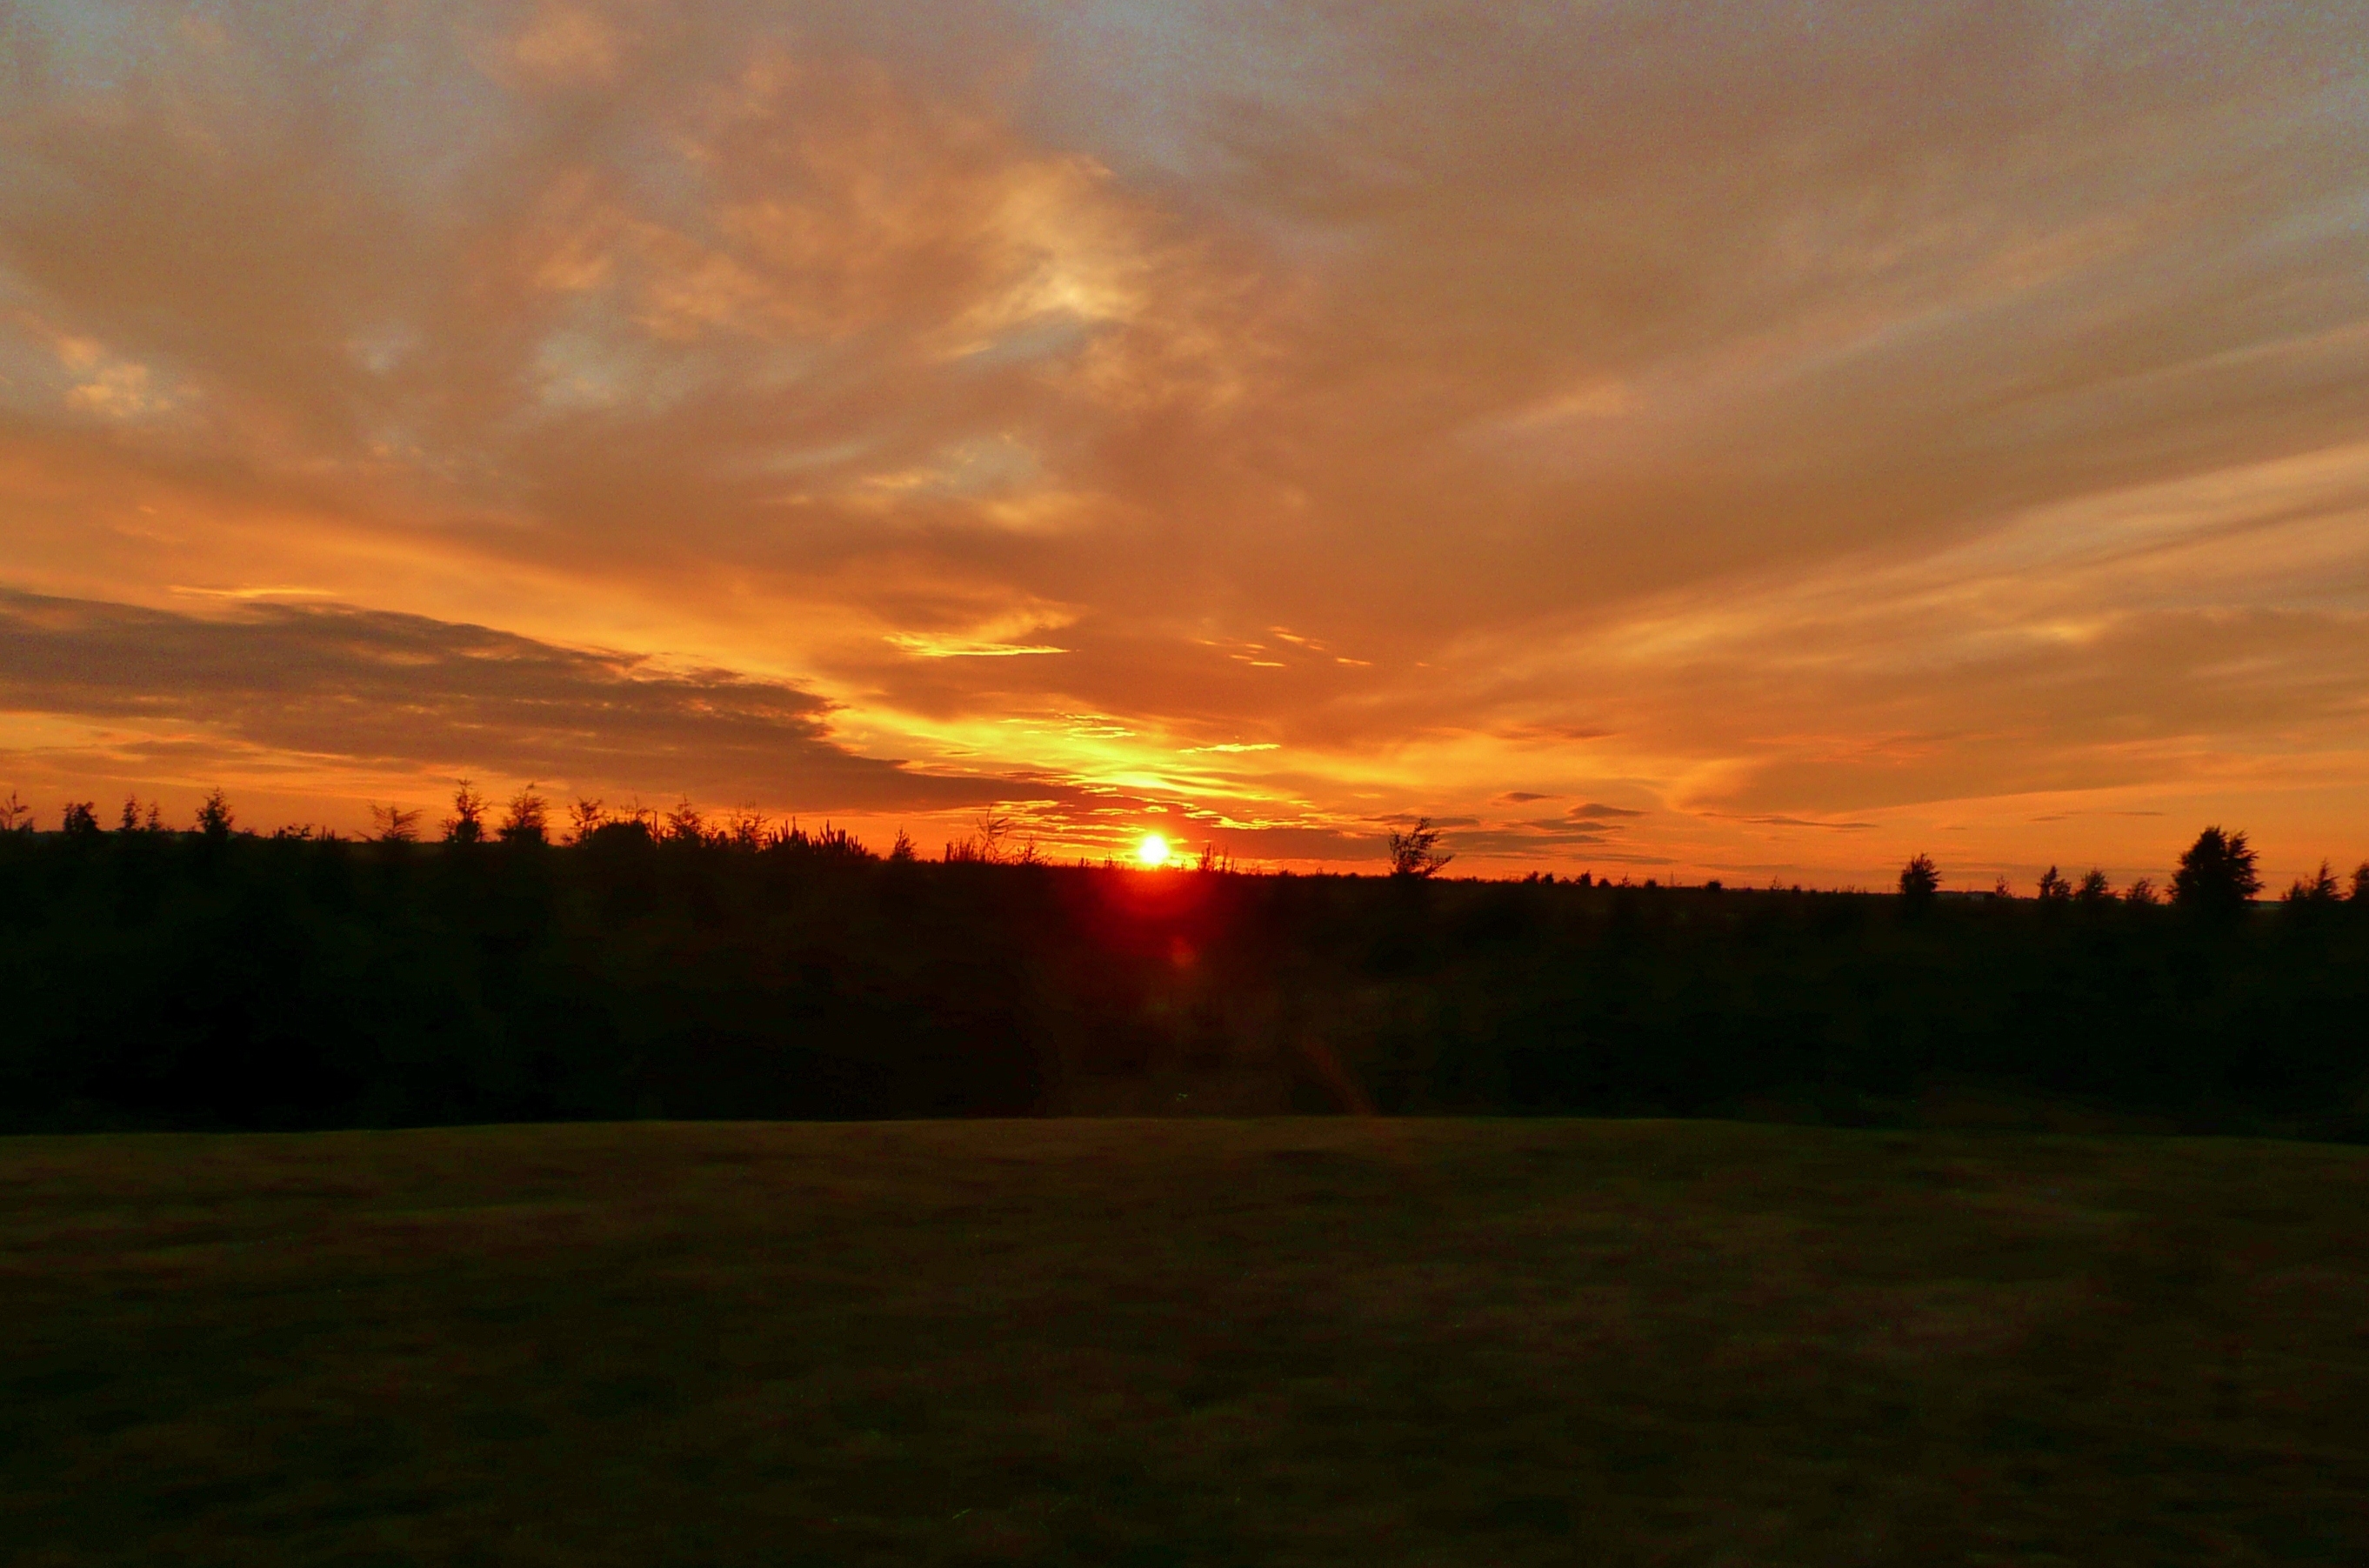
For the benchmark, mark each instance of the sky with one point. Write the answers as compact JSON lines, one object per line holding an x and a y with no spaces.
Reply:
{"x":1759,"y":442}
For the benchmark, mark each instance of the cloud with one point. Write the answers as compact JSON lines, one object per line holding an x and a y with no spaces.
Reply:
{"x":1902,"y":418}
{"x":945,"y":648}
{"x":1772,"y":821}
{"x":325,"y":681}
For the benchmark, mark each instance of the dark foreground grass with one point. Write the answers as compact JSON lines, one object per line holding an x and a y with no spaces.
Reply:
{"x":1283,"y":1341}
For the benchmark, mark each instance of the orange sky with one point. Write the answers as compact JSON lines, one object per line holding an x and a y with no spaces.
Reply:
{"x":1751,"y":441}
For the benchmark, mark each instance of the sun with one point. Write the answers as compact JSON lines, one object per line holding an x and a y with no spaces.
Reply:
{"x":1153,"y":851}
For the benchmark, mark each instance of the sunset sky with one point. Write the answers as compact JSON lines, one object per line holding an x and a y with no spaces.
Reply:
{"x":1742,"y":440}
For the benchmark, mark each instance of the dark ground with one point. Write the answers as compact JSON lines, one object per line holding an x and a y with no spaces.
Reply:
{"x":1183,"y":1342}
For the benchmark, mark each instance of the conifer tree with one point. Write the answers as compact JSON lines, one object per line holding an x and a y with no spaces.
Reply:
{"x":215,"y":819}
{"x":467,"y":823}
{"x":2217,"y":873}
{"x":1920,"y":879}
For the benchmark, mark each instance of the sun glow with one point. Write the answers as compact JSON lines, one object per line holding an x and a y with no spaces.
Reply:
{"x":1153,"y":851}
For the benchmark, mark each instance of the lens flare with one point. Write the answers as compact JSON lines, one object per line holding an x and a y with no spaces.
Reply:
{"x":1153,"y":851}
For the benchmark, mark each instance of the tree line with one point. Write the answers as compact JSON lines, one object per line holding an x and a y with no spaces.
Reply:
{"x":2218,"y":872}
{"x":673,"y":965}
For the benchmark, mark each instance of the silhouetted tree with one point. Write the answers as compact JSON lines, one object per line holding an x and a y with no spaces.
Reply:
{"x":80,"y":820}
{"x":2217,"y":873}
{"x":528,"y":820}
{"x":214,"y":819}
{"x":2318,"y":889}
{"x":1415,"y":853}
{"x":2002,"y":888}
{"x":2094,"y":888}
{"x":684,"y":825}
{"x":994,"y":832}
{"x":987,"y":843}
{"x":16,"y":817}
{"x":467,"y":823}
{"x":129,"y":822}
{"x":586,"y":818}
{"x":2140,"y":892}
{"x":2361,"y":883}
{"x":2054,"y":889}
{"x":394,"y":825}
{"x":901,"y":852}
{"x":1920,"y":879}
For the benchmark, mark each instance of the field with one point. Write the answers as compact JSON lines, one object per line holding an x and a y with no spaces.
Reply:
{"x":1183,"y":1342}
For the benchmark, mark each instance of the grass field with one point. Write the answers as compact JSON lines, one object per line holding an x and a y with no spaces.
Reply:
{"x":1280,"y":1342}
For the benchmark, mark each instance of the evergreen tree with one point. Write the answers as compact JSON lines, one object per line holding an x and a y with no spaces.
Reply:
{"x":394,"y":825}
{"x":528,"y":820}
{"x":2217,"y":873}
{"x":2317,"y":889}
{"x":1919,"y":880}
{"x":214,"y":818}
{"x":467,"y":823}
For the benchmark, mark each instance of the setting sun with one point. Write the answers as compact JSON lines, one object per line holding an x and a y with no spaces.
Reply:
{"x":1153,"y":851}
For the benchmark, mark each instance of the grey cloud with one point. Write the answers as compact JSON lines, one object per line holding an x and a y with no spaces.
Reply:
{"x":373,"y":688}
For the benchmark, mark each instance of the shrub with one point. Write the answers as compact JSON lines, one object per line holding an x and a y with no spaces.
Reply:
{"x":1415,"y":853}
